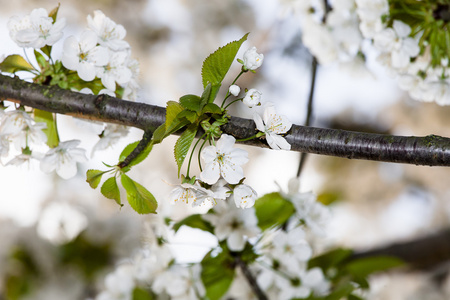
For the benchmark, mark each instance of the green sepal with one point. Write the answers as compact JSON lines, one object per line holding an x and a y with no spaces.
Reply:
{"x":54,"y":13}
{"x":194,"y":221}
{"x":183,"y":144}
{"x":15,"y":63}
{"x":93,"y":177}
{"x":139,"y":198}
{"x":110,"y":190}
{"x":51,"y":131}
{"x":273,"y":210}
{"x":191,"y":102}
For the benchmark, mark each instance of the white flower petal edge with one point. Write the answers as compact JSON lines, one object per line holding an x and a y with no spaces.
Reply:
{"x":244,"y":196}
{"x":223,"y":160}
{"x":273,"y":125}
{"x":252,"y":59}
{"x":63,"y":159}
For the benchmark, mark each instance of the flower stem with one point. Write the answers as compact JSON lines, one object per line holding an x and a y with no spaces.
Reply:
{"x":192,"y":153}
{"x":228,"y":92}
{"x":249,"y":138}
{"x":199,"y":152}
{"x":232,"y":102}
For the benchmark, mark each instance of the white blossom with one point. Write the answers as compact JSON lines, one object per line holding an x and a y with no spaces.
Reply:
{"x":184,"y":192}
{"x":233,"y":224}
{"x":119,"y":284}
{"x":244,"y":196}
{"x":252,"y":59}
{"x":252,"y":98}
{"x":180,"y":283}
{"x":109,"y":33}
{"x":223,"y":160}
{"x":115,"y":71}
{"x":36,"y":30}
{"x":291,"y":249}
{"x":63,"y":159}
{"x":84,"y":56}
{"x":234,"y":90}
{"x":273,"y":125}
{"x":396,"y":40}
{"x":110,"y":136}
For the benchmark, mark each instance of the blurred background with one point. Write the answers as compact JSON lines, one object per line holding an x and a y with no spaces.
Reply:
{"x":60,"y":237}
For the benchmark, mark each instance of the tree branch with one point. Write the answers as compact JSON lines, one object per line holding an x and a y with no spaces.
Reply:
{"x":423,"y":253}
{"x":430,"y":150}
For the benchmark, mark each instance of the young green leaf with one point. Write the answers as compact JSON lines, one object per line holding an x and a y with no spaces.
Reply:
{"x":189,"y":115}
{"x":216,"y":66}
{"x":272,"y":210}
{"x":217,"y":283}
{"x":183,"y":144}
{"x":191,"y":102}
{"x":110,"y":190}
{"x":141,"y":294}
{"x":194,"y":221}
{"x":212,"y":109}
{"x":14,"y":63}
{"x":51,"y":131}
{"x":93,"y":177}
{"x":139,"y":198}
{"x":331,"y":259}
{"x":363,"y":267}
{"x":173,"y":122}
{"x":159,"y":134}
{"x":206,"y":96}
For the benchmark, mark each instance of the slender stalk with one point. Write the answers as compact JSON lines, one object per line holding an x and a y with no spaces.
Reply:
{"x":199,"y":153}
{"x":228,"y":92}
{"x":232,"y":102}
{"x":309,"y":111}
{"x":192,"y":153}
{"x":248,"y":139}
{"x":251,"y":280}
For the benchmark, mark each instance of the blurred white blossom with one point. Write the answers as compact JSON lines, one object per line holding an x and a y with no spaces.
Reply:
{"x":63,"y":159}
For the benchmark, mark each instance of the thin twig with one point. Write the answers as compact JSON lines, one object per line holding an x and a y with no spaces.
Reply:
{"x":251,"y":280}
{"x":309,"y":110}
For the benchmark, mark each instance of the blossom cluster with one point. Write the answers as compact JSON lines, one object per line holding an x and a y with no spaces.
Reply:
{"x":281,"y":268}
{"x":100,"y":54}
{"x":339,"y":35}
{"x":222,"y":174}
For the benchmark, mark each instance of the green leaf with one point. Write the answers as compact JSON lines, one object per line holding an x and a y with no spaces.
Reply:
{"x":127,"y":150}
{"x":141,"y":294}
{"x":93,"y":177}
{"x":139,"y":198}
{"x":216,"y":66}
{"x":183,"y":144}
{"x":110,"y":190}
{"x":330,"y":259}
{"x":206,"y":96}
{"x":194,"y":221}
{"x":273,"y":210}
{"x":173,"y":122}
{"x":212,"y":109}
{"x":42,"y":62}
{"x":51,"y":131}
{"x":159,"y":134}
{"x":14,"y":63}
{"x":217,"y":282}
{"x":362,"y":267}
{"x":341,"y":291}
{"x":189,"y":115}
{"x":191,"y":102}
